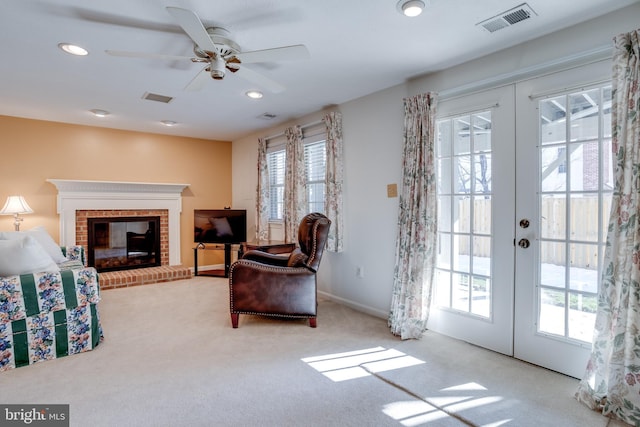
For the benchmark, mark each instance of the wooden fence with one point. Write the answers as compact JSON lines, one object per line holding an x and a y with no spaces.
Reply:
{"x":582,"y":223}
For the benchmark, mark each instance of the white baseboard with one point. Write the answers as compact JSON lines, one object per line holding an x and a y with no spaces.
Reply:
{"x":356,"y":306}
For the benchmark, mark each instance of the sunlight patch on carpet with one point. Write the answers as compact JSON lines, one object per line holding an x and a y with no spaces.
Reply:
{"x":360,"y":363}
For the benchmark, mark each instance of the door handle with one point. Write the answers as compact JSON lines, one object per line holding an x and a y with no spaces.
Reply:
{"x":524,"y":243}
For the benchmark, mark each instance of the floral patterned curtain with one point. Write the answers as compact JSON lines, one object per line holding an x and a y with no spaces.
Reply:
{"x":333,"y":182}
{"x":295,"y":194}
{"x":262,"y":193}
{"x":611,"y":383}
{"x":417,"y":220}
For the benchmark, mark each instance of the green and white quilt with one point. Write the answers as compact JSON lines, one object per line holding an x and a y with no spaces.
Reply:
{"x":48,"y":315}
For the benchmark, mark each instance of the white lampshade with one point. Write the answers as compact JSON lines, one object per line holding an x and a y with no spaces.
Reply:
{"x":16,"y":205}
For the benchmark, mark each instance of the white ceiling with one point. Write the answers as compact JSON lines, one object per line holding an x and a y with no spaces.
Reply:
{"x":357,"y":47}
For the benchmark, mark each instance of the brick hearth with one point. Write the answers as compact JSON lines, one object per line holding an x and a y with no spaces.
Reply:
{"x":142,"y":276}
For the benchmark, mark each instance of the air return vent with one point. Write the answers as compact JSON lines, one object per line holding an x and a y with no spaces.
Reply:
{"x":155,"y":97}
{"x":267,"y":116}
{"x":508,"y":18}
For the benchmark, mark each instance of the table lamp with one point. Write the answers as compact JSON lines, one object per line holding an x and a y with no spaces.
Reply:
{"x":15,"y":206}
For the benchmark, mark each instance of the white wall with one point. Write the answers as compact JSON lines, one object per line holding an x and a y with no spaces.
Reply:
{"x":372,"y":130}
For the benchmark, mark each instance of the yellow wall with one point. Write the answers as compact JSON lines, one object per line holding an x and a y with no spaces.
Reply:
{"x":32,"y":151}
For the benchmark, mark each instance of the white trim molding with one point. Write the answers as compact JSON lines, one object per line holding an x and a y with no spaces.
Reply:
{"x":74,"y":195}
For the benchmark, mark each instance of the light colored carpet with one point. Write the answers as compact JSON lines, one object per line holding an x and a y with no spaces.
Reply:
{"x":171,"y":358}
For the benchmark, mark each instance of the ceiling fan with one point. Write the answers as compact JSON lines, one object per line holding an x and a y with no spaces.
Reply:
{"x":213,"y":47}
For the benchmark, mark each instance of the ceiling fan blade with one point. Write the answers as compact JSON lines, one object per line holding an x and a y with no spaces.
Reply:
{"x":128,"y":54}
{"x":199,"y":81}
{"x":192,"y":25}
{"x":286,"y":53}
{"x":260,"y":80}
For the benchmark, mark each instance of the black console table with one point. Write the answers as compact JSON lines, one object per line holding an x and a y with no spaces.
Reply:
{"x":227,"y":247}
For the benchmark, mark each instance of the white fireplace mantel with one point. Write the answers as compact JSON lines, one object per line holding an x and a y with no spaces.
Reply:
{"x":75,"y":195}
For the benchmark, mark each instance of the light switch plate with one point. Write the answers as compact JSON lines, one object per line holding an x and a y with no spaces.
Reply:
{"x":392,"y":190}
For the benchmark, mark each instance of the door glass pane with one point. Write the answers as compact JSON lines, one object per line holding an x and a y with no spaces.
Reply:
{"x":461,"y":261}
{"x":482,"y":214}
{"x":553,"y":113}
{"x":461,"y":139}
{"x":584,"y":166}
{"x":552,"y":310}
{"x":482,"y":173}
{"x":444,"y":175}
{"x":583,"y":274}
{"x":464,"y":214}
{"x":444,"y":213}
{"x":553,"y":216}
{"x":584,"y":217}
{"x":553,"y":170}
{"x":482,"y":255}
{"x":480,"y":302}
{"x":582,"y":316}
{"x":553,"y":270}
{"x":443,"y":258}
{"x":460,"y":292}
{"x":572,"y":238}
{"x":584,"y":115}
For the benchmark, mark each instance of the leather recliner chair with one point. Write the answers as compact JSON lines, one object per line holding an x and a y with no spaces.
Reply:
{"x":283,"y":286}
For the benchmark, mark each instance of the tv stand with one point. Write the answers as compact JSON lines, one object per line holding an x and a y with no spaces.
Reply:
{"x":227,"y":247}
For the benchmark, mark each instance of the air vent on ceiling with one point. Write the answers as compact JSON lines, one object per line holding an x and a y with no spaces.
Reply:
{"x":508,"y":18}
{"x":155,"y":97}
{"x":267,"y":116}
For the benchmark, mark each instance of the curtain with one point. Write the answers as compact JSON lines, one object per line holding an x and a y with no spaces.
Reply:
{"x":262,"y":193}
{"x":333,"y":183}
{"x":611,"y":383}
{"x":295,"y":194}
{"x":417,"y":220}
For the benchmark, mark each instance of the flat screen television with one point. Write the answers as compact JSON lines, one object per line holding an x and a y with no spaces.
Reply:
{"x":219,"y":225}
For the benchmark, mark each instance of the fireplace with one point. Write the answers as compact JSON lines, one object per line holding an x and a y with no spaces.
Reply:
{"x":121,"y":243}
{"x":76,"y":198}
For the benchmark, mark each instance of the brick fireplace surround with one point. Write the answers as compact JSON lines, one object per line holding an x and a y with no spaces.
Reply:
{"x":79,"y":200}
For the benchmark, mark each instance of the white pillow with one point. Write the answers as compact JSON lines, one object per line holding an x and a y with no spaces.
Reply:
{"x":41,"y":235}
{"x":25,"y":255}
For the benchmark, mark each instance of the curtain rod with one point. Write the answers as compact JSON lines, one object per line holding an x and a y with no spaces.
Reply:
{"x":308,"y":125}
{"x":567,"y":62}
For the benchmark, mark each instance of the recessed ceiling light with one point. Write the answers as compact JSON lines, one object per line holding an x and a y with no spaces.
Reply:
{"x":73,"y":49}
{"x":254,"y":94}
{"x":100,"y":113}
{"x":169,"y":122}
{"x":410,"y":8}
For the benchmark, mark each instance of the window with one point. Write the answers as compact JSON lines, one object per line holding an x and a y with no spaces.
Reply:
{"x":315,"y":162}
{"x":315,"y":165}
{"x":275,"y":164}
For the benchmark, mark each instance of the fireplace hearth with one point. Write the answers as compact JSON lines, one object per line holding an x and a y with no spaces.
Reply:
{"x":121,"y":243}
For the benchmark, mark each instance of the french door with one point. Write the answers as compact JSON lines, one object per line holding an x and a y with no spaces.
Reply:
{"x":473,"y":296}
{"x":564,"y":169}
{"x":525,"y":180}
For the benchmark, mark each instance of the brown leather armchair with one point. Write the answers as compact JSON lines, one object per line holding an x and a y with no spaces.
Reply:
{"x":282,"y":286}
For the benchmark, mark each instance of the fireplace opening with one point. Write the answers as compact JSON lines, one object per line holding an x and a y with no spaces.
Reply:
{"x":122,"y":243}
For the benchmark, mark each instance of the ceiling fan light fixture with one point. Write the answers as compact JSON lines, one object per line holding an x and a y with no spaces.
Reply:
{"x":73,"y":49}
{"x":168,"y":123}
{"x":217,"y":68}
{"x":411,"y":8}
{"x":99,"y":113}
{"x":217,"y":74}
{"x":254,"y":94}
